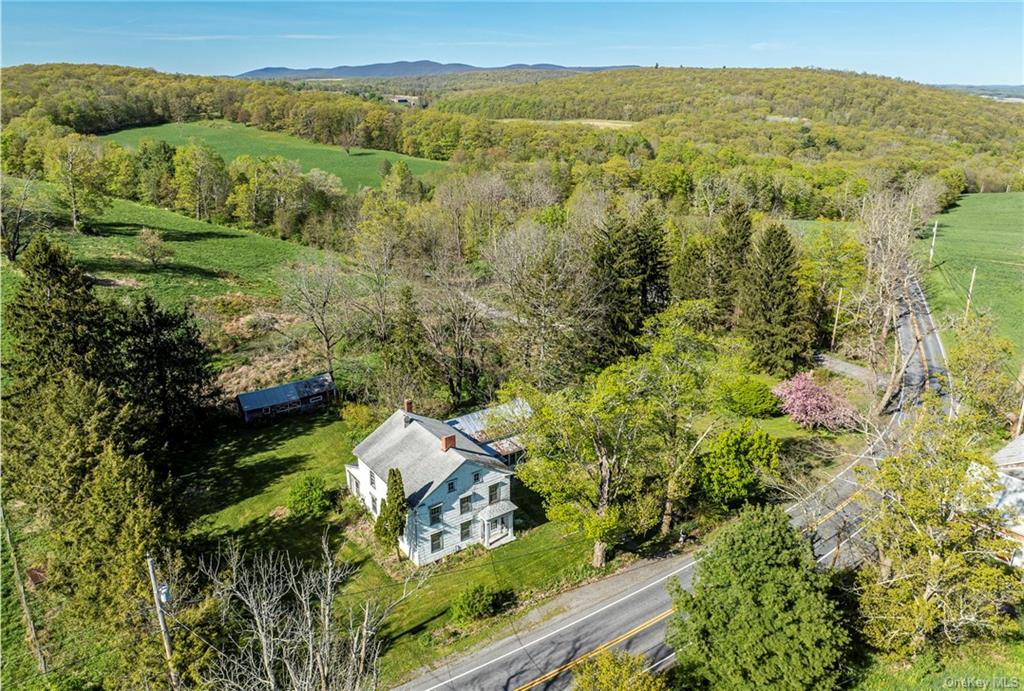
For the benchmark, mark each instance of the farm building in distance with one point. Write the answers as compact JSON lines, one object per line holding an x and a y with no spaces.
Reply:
{"x":302,"y":395}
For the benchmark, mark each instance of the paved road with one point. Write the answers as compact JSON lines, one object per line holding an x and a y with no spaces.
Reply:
{"x":633,"y":618}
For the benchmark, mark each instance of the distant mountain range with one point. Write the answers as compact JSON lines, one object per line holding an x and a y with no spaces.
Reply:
{"x":402,"y":68}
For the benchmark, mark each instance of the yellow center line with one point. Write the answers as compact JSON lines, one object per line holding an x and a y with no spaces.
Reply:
{"x":839,"y":507}
{"x":604,"y":646}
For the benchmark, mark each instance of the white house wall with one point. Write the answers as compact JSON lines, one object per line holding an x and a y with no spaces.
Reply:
{"x":418,"y":525}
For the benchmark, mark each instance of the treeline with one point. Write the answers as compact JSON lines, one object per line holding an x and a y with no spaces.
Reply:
{"x":708,"y":150}
{"x":819,"y":96}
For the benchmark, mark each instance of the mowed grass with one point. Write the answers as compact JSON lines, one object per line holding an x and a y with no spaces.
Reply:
{"x":247,"y":473}
{"x":360,"y":168}
{"x":986,"y":231}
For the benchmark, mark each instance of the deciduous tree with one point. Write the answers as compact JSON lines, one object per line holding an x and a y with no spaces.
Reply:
{"x":937,"y":576}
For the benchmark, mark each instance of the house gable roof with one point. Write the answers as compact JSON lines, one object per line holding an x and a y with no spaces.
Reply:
{"x":412,"y":444}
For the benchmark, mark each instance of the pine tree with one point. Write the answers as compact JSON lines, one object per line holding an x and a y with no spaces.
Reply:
{"x":54,"y":321}
{"x":391,"y":520}
{"x":774,"y":316}
{"x":728,"y":255}
{"x":165,"y":370}
{"x":759,"y":615}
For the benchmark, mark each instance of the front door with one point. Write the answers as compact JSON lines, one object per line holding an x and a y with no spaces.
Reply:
{"x":498,"y":527}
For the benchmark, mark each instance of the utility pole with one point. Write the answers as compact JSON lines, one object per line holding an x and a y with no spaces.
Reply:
{"x":1020,"y":420}
{"x":835,"y":325}
{"x":931,"y":252}
{"x":168,"y":651}
{"x":970,"y":292}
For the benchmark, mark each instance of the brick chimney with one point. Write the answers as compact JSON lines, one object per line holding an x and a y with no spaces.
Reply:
{"x":407,"y":405}
{"x":447,"y":442}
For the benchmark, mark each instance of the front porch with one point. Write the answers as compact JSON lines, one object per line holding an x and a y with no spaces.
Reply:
{"x":497,"y":525}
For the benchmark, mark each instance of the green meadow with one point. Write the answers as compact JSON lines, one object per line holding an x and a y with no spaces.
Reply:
{"x":984,"y":231}
{"x":359,"y":168}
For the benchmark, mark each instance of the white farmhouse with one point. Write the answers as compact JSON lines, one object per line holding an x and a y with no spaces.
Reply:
{"x":457,"y":481}
{"x":1009,"y":462}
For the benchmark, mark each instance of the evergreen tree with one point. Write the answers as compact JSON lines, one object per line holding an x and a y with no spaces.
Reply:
{"x":631,"y":273}
{"x":164,"y":372}
{"x":774,"y":318}
{"x":54,"y":321}
{"x":759,"y":615}
{"x":391,"y":520}
{"x":727,"y":259}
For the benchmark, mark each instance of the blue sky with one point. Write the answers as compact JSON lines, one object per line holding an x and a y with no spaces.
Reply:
{"x":929,"y":42}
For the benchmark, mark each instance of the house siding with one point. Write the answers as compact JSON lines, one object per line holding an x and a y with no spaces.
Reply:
{"x":415,"y":542}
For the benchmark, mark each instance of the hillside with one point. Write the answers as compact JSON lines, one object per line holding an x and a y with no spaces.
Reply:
{"x":358,"y":168}
{"x":401,"y":68}
{"x":819,"y":96}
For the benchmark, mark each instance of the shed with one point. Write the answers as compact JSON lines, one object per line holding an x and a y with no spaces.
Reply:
{"x":301,"y":395}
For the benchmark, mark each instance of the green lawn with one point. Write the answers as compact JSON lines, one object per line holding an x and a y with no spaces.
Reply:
{"x":247,"y":472}
{"x":360,"y":168}
{"x":987,"y":231}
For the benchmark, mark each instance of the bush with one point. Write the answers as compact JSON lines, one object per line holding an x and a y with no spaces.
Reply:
{"x":812,"y":405}
{"x":479,"y":602}
{"x":309,"y":496}
{"x":749,"y":397}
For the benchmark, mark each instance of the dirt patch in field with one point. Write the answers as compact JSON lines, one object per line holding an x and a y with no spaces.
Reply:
{"x":267,"y":369}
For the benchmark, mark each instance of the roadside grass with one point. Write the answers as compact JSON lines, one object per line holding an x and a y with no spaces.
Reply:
{"x":360,"y":168}
{"x":979,"y":664}
{"x":987,"y":231}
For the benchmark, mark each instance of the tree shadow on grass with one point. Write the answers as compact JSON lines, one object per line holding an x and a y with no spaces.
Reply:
{"x":125,"y":265}
{"x":530,"y":513}
{"x":222,"y":472}
{"x":106,"y":229}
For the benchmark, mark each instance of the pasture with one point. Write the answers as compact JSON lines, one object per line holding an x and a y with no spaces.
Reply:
{"x":360,"y":168}
{"x":986,"y":231}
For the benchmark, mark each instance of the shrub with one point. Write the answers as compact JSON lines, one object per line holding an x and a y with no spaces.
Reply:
{"x":614,"y":671}
{"x":309,"y":496}
{"x":812,"y":405}
{"x":749,"y":397}
{"x":150,"y":246}
{"x":479,"y":602}
{"x":734,"y":462}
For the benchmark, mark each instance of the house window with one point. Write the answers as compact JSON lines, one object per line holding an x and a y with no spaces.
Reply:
{"x":435,"y":514}
{"x":465,"y":504}
{"x":437,"y":541}
{"x":494,"y":493}
{"x":373,"y":503}
{"x":315,"y":399}
{"x":466,"y":531}
{"x":355,"y":486}
{"x":373,"y":482}
{"x":451,"y":485}
{"x":476,"y":477}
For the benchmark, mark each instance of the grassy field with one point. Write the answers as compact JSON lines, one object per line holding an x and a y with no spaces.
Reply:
{"x":987,"y":231}
{"x":360,"y":168}
{"x":208,"y":259}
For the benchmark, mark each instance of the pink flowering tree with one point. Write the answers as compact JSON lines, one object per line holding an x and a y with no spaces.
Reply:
{"x":812,"y":405}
